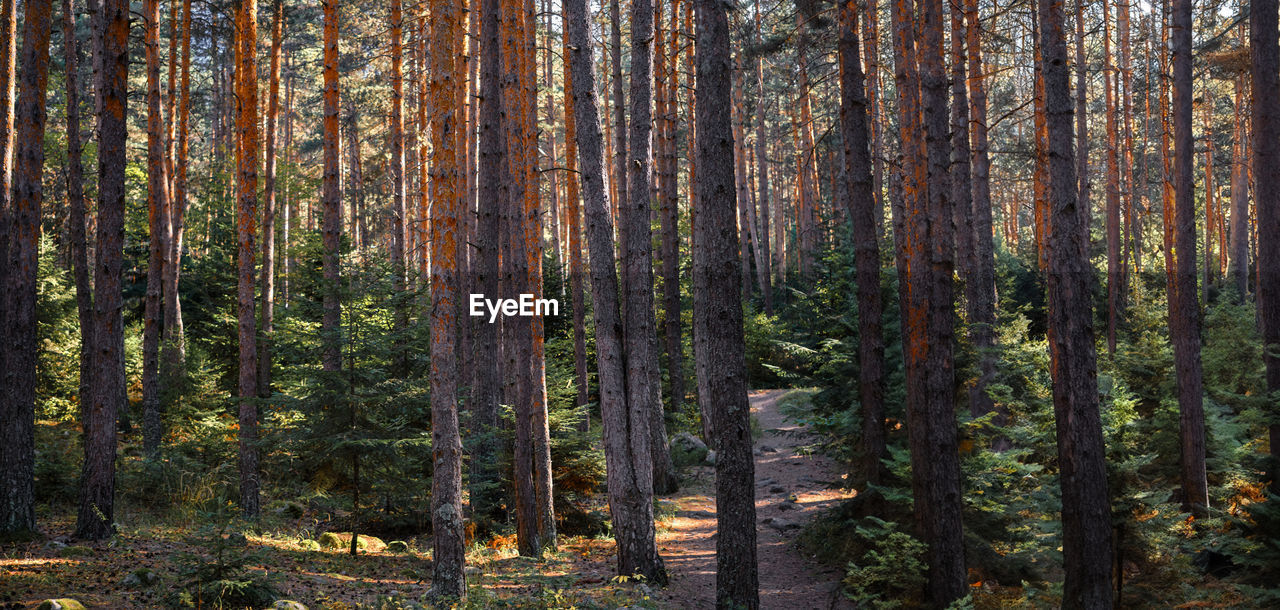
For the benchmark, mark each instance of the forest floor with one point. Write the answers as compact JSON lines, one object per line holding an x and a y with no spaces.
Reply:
{"x":579,"y":574}
{"x":784,"y":468}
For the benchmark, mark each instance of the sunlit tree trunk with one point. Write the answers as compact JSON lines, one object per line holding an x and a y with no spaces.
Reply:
{"x":158,"y":245}
{"x":331,"y":199}
{"x":626,"y":434}
{"x":22,"y":260}
{"x":762,"y":174}
{"x":1113,"y":186}
{"x":173,"y":347}
{"x":247,"y":127}
{"x":448,"y":542}
{"x":1086,"y":516}
{"x":398,"y":208}
{"x":96,"y":517}
{"x":669,"y":218}
{"x":267,"y":326}
{"x":8,"y":82}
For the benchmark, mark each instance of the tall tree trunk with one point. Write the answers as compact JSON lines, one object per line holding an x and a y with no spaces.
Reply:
{"x":247,"y":127}
{"x":157,"y":209}
{"x":76,"y":202}
{"x":574,"y":222}
{"x":22,"y":258}
{"x":8,"y":82}
{"x":398,"y":209}
{"x":628,"y":455}
{"x":492,"y":187}
{"x":173,"y":347}
{"x":540,"y":429}
{"x":331,"y":200}
{"x":1086,"y":517}
{"x":637,"y":265}
{"x":1184,"y":312}
{"x":446,"y":484}
{"x":933,"y":430}
{"x":961,"y":179}
{"x":980,"y":289}
{"x":96,"y":517}
{"x":762,"y":175}
{"x":719,"y":351}
{"x":669,"y":219}
{"x":1265,"y":70}
{"x":1082,"y":114}
{"x":267,"y":339}
{"x":861,"y":203}
{"x":1114,"y":269}
{"x":1239,"y":259}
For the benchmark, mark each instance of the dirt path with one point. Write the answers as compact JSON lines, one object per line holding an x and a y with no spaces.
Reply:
{"x":788,"y":579}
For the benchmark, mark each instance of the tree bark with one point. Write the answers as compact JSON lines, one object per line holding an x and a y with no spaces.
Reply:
{"x":8,"y":83}
{"x":173,"y":346}
{"x":157,"y":210}
{"x":719,"y":350}
{"x":18,"y":398}
{"x":1239,"y":248}
{"x":398,"y":208}
{"x":861,"y":203}
{"x":1086,"y":517}
{"x":574,"y":221}
{"x":448,"y":541}
{"x":1265,"y":70}
{"x":76,"y":202}
{"x":980,"y":288}
{"x":267,"y":337}
{"x":96,"y":517}
{"x":331,"y":200}
{"x":1184,"y":311}
{"x":492,"y":186}
{"x":247,"y":126}
{"x":933,"y":430}
{"x":640,"y":356}
{"x":1114,"y":269}
{"x":626,"y":436}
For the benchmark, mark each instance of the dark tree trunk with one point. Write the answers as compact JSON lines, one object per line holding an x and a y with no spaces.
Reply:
{"x":247,"y":127}
{"x":860,"y":203}
{"x":719,"y":351}
{"x":1266,"y":164}
{"x":980,"y":288}
{"x":762,"y":176}
{"x":76,"y":203}
{"x":1086,"y":517}
{"x":22,"y":259}
{"x":938,"y":501}
{"x":1239,"y":248}
{"x":626,"y":431}
{"x":574,"y":223}
{"x":1184,"y":310}
{"x":637,"y":266}
{"x":669,"y":219}
{"x":157,"y":209}
{"x":491,"y":186}
{"x":96,"y":517}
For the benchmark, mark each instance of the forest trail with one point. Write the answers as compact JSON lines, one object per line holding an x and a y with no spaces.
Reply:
{"x":789,"y":580}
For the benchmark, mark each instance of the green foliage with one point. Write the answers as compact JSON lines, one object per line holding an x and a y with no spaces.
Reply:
{"x":221,"y":578}
{"x":58,"y":337}
{"x":892,"y":570}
